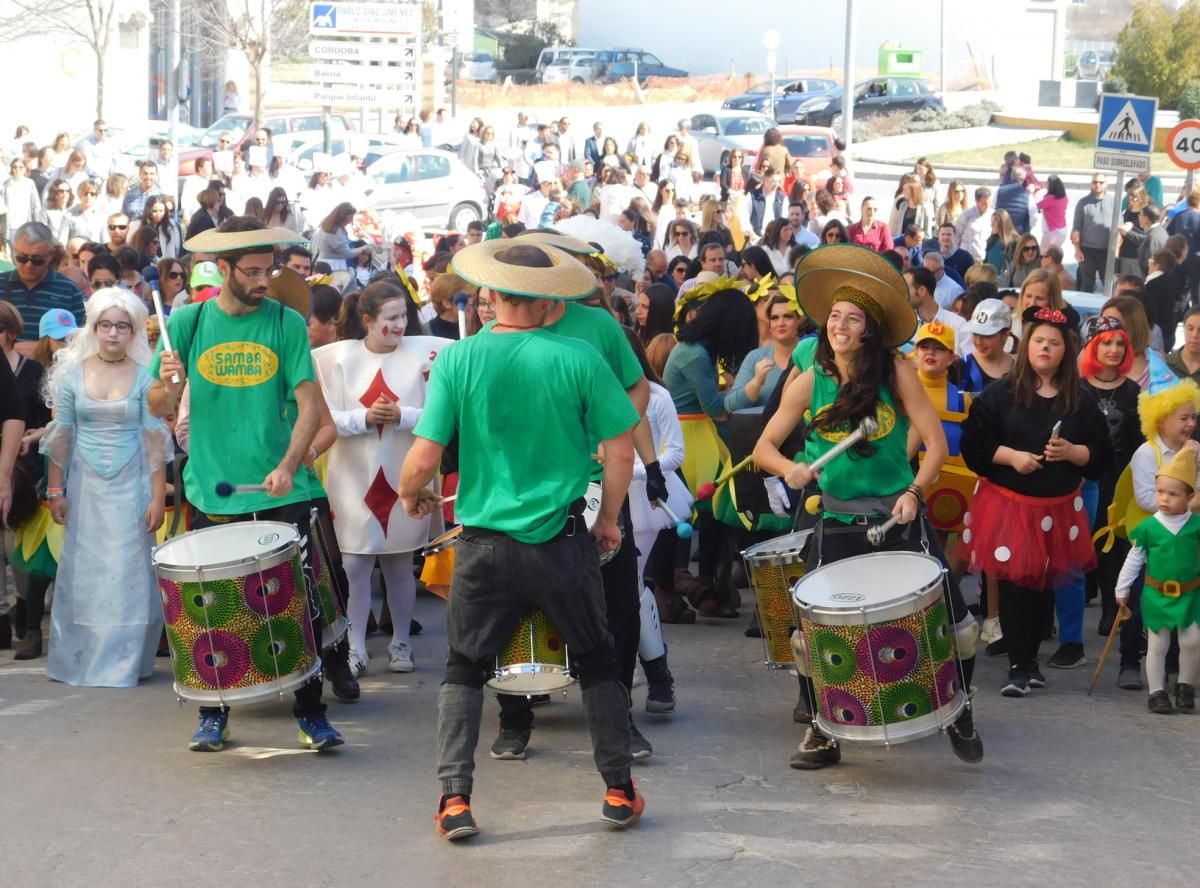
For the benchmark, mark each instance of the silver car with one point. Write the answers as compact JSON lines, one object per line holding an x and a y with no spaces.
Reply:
{"x":434,"y":186}
{"x":720,"y":131}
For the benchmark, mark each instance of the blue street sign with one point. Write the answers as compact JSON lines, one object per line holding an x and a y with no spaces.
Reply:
{"x":1126,"y":123}
{"x":324,"y":17}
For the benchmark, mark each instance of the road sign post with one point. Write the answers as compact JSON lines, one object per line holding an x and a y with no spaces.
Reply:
{"x":1124,"y":140}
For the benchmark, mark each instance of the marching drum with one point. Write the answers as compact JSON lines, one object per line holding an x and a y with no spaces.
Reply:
{"x":591,"y":511}
{"x":534,"y":661}
{"x":880,"y":648}
{"x":774,"y":567}
{"x":333,"y":614}
{"x":235,"y":603}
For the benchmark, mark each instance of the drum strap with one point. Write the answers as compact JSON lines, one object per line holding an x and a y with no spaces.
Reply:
{"x":863,"y":522}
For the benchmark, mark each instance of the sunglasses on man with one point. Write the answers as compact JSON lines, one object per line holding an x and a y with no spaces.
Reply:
{"x":35,"y":261}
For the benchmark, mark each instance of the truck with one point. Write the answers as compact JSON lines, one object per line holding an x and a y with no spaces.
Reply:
{"x":626,"y":63}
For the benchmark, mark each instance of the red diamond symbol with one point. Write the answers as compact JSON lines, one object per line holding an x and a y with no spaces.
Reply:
{"x":378,"y":387}
{"x":380,"y":499}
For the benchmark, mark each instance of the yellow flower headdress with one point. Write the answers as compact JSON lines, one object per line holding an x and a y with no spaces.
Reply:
{"x":761,"y":287}
{"x":700,"y":293}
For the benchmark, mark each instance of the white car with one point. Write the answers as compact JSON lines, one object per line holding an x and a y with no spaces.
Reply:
{"x":477,"y":66}
{"x":299,"y":149}
{"x":432,"y":186}
{"x":571,"y":69}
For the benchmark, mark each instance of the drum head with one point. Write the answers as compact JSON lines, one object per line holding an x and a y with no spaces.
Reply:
{"x":228,"y":544}
{"x":784,"y":549}
{"x":877,"y":583}
{"x":591,"y":504}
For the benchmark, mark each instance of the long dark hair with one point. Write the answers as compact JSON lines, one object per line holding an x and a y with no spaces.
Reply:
{"x":639,"y":349}
{"x":367,"y":301}
{"x":1055,"y":188}
{"x":757,"y":257}
{"x":661,"y":316}
{"x":727,"y":326}
{"x":277,"y":200}
{"x":838,"y":226}
{"x":874,"y":369}
{"x":1024,"y":380}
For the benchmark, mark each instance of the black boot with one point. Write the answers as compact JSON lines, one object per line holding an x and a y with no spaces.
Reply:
{"x":18,"y":618}
{"x":35,"y":605}
{"x":336,"y":661}
{"x":964,"y":739}
{"x":660,"y":686}
{"x":5,"y":633}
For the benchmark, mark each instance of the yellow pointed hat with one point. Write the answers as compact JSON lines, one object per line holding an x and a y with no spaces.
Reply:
{"x":1182,"y":467}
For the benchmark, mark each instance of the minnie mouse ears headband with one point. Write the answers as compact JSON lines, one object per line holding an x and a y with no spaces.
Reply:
{"x":1065,"y":319}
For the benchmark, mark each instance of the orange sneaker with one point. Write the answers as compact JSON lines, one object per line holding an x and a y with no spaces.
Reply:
{"x":453,"y":819}
{"x":619,"y":810}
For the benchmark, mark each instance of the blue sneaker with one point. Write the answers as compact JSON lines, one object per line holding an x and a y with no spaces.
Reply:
{"x":317,"y":733}
{"x":212,"y":733}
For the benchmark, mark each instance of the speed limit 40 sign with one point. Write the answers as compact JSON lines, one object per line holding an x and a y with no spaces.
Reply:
{"x":1183,"y":145}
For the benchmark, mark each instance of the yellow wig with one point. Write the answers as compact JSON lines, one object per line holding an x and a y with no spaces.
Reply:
{"x":1153,"y":409}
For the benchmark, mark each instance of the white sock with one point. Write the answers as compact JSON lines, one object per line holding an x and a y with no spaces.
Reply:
{"x":401,"y":592}
{"x":358,"y":608}
{"x":1189,"y":654}
{"x":1156,"y":659}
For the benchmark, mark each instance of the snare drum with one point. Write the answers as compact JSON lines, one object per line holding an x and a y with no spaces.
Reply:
{"x":235,"y":603}
{"x":534,"y":661}
{"x":880,"y":648}
{"x":773,"y":568}
{"x":333,"y":614}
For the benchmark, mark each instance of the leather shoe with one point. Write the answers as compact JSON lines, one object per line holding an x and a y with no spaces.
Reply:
{"x":30,"y":647}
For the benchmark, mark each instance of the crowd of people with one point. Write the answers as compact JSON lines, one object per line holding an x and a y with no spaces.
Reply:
{"x":674,"y":363}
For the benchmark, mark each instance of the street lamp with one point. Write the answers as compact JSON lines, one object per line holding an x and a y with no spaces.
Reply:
{"x":771,"y":41}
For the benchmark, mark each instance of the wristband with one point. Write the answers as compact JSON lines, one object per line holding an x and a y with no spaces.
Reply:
{"x":53,"y":495}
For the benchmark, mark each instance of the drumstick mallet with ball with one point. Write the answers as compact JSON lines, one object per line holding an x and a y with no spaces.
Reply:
{"x":162,"y":329}
{"x":224,"y":488}
{"x":866,"y":429}
{"x":461,"y":299}
{"x":683,"y":529}
{"x":1122,"y":615}
{"x":876,"y":534}
{"x":707,"y":490}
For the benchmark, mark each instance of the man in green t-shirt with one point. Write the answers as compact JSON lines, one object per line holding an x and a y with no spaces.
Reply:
{"x":525,"y":405}
{"x":243,"y":357}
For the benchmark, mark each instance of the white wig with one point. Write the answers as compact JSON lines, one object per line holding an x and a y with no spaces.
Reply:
{"x":621,"y":247}
{"x":82,"y":344}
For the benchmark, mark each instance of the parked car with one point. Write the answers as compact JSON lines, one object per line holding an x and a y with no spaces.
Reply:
{"x":300,"y":149}
{"x":554,"y":53}
{"x":613,"y":66}
{"x":789,"y":94}
{"x":434,"y":186}
{"x":814,"y":146}
{"x":719,"y":131}
{"x":477,"y":66}
{"x":239,"y":126}
{"x":872,"y":98}
{"x":1094,"y":64}
{"x":571,"y":69}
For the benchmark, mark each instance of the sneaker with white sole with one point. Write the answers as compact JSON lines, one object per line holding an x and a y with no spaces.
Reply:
{"x":358,"y":663}
{"x":991,"y":630}
{"x":400,"y":658}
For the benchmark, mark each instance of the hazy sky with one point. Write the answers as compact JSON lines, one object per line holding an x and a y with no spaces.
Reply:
{"x":710,"y":36}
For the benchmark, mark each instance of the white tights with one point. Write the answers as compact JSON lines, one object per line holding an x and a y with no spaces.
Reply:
{"x":401,"y":595}
{"x":1156,"y":656}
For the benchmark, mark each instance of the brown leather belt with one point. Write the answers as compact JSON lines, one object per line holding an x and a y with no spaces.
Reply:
{"x":1172,"y":588}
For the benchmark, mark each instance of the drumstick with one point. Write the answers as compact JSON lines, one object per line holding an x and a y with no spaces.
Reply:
{"x":876,"y":534}
{"x":448,"y":499}
{"x":1122,"y":615}
{"x":865,"y":429}
{"x":707,"y":490}
{"x":461,"y":299}
{"x":683,"y":530}
{"x":162,"y":327}
{"x":224,"y":488}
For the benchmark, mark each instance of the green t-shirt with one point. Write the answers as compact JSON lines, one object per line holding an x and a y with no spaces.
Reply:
{"x":600,"y":330}
{"x":525,"y":407}
{"x":242,"y":371}
{"x":805,"y":353}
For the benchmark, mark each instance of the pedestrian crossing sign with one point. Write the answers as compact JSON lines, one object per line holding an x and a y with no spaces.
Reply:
{"x":1126,"y":123}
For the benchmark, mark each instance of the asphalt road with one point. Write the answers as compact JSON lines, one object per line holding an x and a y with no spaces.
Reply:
{"x":100,"y":790}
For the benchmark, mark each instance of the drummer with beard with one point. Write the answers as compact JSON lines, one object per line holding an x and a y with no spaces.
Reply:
{"x":860,"y":303}
{"x":243,"y":356}
{"x":525,"y":404}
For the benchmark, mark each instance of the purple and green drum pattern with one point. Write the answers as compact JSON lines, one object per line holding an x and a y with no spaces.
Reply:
{"x":887,"y":673}
{"x":236,"y":634}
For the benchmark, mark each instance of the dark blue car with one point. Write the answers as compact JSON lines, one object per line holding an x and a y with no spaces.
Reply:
{"x":789,"y":94}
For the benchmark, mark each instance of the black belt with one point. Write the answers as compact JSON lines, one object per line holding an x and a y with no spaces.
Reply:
{"x":574,"y":525}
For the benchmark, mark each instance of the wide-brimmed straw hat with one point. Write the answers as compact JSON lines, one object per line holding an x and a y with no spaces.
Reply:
{"x":215,"y":241}
{"x":289,"y":288}
{"x":572,"y":245}
{"x":522,"y":267}
{"x":849,"y":273}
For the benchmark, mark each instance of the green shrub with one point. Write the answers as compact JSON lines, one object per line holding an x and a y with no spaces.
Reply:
{"x":1189,"y":100}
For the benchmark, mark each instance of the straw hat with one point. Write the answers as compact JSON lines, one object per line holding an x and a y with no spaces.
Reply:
{"x":216,"y":241}
{"x":288,"y":288}
{"x":849,"y":273}
{"x":522,"y":268}
{"x":1182,"y":467}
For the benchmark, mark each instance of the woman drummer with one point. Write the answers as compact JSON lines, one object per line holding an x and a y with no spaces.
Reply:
{"x":860,"y":302}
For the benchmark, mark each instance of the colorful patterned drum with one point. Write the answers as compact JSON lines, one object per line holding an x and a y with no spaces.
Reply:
{"x":236,"y":607}
{"x":534,"y":661}
{"x":880,"y":648}
{"x":773,"y":568}
{"x":333,"y":614}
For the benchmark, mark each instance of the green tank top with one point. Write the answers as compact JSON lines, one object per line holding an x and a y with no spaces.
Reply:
{"x":850,"y":476}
